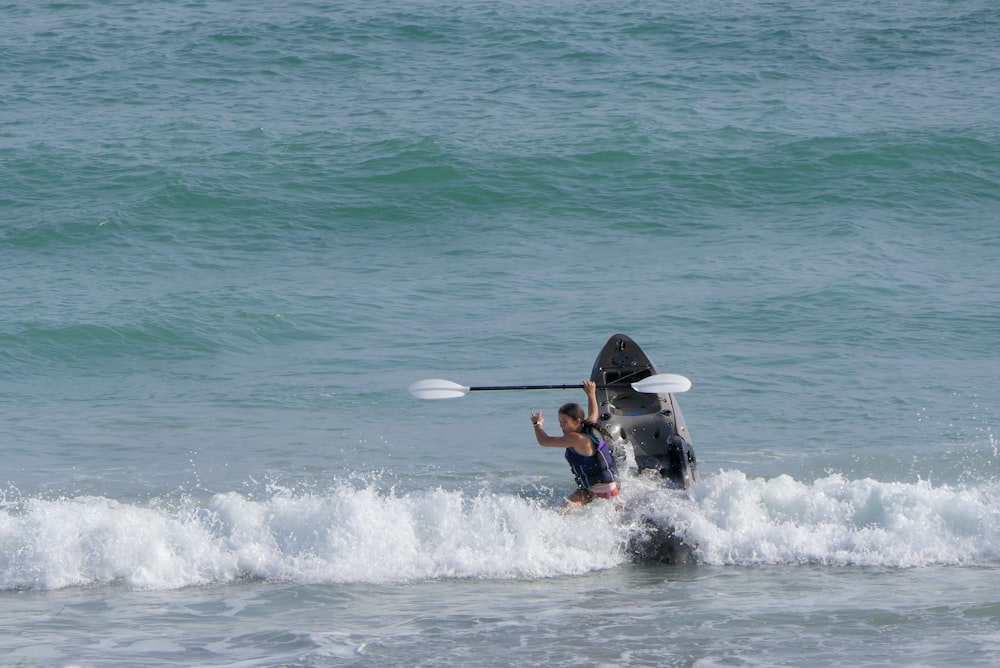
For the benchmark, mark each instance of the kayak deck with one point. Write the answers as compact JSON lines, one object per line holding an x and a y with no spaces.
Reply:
{"x":650,"y":425}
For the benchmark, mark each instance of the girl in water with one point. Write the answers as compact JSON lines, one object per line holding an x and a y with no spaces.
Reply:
{"x":586,"y":449}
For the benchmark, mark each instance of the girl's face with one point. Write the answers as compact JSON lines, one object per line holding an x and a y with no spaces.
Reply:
{"x":569,"y":425}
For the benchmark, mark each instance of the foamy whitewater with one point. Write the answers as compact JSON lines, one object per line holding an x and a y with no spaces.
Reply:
{"x":232,"y":236}
{"x":362,"y":535}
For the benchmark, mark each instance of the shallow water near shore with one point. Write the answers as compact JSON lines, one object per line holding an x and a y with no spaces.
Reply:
{"x":232,"y":237}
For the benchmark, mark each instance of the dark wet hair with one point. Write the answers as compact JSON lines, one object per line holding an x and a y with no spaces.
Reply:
{"x":575,"y":411}
{"x":572,"y":410}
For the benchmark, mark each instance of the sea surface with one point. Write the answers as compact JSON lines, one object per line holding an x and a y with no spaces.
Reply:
{"x":232,"y":234}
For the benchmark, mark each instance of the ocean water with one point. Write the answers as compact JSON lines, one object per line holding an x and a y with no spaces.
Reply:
{"x":233,"y":234}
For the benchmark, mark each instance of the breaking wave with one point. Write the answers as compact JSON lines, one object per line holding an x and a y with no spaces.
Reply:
{"x":371,"y":535}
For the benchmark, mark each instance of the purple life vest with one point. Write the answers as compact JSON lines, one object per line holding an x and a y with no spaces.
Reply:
{"x":593,"y":470}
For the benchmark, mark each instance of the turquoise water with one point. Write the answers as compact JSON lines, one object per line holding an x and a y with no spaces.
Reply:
{"x":232,"y":236}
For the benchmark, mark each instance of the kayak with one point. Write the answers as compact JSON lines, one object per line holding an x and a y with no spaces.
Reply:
{"x":649,"y":429}
{"x":650,"y":438}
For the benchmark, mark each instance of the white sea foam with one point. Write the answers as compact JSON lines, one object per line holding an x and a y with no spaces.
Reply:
{"x":349,"y":535}
{"x":345,"y":535}
{"x":833,"y":520}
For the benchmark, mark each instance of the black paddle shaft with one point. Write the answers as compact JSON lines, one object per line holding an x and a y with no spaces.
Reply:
{"x":544,"y":387}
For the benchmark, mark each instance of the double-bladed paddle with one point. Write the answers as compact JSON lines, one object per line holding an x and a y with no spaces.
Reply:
{"x":438,"y":388}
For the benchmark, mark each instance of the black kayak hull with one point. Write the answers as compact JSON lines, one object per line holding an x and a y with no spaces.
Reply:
{"x":650,"y":425}
{"x":649,"y":438}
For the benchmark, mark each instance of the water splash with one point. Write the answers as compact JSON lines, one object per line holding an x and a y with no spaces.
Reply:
{"x":836,"y":521}
{"x":355,"y":533}
{"x":343,"y":535}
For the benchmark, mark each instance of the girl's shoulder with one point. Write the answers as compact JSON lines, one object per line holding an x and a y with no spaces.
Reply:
{"x":581,"y":441}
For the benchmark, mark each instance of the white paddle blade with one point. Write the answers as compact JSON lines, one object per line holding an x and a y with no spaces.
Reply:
{"x":663,"y":383}
{"x":437,"y":388}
